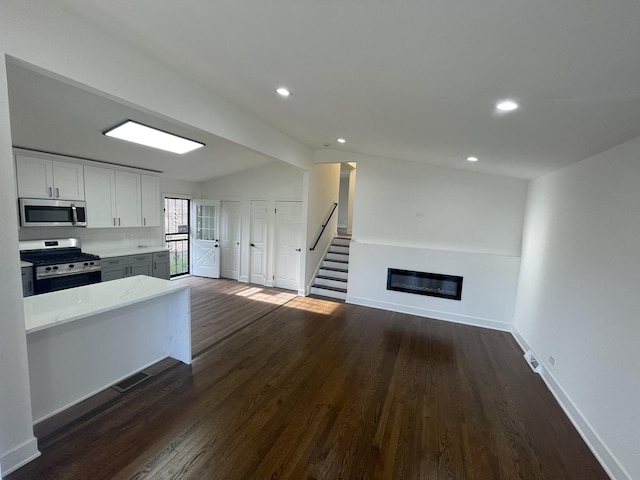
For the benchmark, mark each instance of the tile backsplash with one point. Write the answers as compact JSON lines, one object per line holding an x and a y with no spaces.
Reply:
{"x":98,"y":238}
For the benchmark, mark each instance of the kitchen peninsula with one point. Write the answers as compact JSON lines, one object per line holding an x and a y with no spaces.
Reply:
{"x":85,"y":339}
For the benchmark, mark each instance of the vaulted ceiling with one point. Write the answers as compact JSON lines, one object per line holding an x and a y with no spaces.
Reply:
{"x":414,"y":80}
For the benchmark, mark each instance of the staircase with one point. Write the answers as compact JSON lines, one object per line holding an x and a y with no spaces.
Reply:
{"x":331,"y":280}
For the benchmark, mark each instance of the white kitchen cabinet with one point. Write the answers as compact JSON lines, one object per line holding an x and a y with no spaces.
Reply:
{"x":150,"y":200}
{"x":113,"y":198}
{"x":128,"y":199}
{"x":40,"y":177}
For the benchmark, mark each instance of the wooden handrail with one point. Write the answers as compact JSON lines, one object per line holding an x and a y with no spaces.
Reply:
{"x":324,"y":225}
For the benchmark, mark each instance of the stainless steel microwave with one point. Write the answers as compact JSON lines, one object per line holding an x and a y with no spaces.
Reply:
{"x":35,"y":212}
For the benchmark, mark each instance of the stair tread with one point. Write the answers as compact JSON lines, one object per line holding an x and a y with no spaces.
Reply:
{"x":337,"y":279}
{"x":326,"y":287}
{"x":336,"y":261}
{"x":334,"y":269}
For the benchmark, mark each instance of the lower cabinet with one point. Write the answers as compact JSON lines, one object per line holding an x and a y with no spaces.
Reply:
{"x":161,"y":265}
{"x":151,"y":265}
{"x":27,"y":281}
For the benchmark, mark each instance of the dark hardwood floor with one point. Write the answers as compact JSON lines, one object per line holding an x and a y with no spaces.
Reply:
{"x":314,"y":389}
{"x":221,"y":307}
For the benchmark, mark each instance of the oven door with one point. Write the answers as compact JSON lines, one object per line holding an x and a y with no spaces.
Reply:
{"x":52,"y":213}
{"x":53,"y":284}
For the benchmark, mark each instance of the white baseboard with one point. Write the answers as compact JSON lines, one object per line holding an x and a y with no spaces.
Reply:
{"x":437,"y":315}
{"x":243,"y":279}
{"x":602,"y":453}
{"x":19,"y":456}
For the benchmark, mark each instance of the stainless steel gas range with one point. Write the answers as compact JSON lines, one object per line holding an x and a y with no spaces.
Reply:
{"x":59,"y":264}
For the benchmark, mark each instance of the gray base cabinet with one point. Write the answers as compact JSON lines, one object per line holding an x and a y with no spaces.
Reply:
{"x":27,"y":281}
{"x":122,"y":267}
{"x":161,"y":265}
{"x":151,"y":265}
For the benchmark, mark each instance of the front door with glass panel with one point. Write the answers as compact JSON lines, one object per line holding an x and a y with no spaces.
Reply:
{"x":205,"y":238}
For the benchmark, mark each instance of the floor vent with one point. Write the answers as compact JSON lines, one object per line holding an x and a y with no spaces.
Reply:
{"x":130,"y":382}
{"x":533,"y":362}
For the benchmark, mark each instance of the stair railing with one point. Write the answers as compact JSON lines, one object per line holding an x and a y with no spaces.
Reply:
{"x":324,"y":225}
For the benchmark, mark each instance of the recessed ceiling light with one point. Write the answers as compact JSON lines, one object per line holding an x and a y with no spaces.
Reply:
{"x":152,"y":137}
{"x":507,"y":105}
{"x":472,"y":159}
{"x":342,"y":140}
{"x":283,"y":91}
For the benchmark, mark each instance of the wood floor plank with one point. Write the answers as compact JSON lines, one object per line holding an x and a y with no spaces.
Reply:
{"x":303,"y":388}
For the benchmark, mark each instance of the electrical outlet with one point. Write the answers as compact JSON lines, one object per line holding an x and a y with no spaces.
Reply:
{"x":552,"y":360}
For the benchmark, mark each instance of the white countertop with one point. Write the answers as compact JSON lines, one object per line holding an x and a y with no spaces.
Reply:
{"x":123,"y":251}
{"x":56,"y":308}
{"x":25,"y":264}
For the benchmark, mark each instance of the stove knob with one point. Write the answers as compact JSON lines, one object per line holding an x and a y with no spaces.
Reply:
{"x":48,"y":269}
{"x":71,"y":266}
{"x":91,"y":263}
{"x":55,"y":268}
{"x":86,"y":264}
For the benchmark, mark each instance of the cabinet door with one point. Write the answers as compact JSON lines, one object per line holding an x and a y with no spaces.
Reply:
{"x":100,"y":197}
{"x":127,"y":199}
{"x":113,"y":273}
{"x":68,"y":181}
{"x":150,"y":200}
{"x":161,"y":265}
{"x":139,"y":264}
{"x":35,"y":177}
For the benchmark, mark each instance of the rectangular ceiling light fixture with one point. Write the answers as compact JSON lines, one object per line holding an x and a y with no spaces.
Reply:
{"x":152,"y":137}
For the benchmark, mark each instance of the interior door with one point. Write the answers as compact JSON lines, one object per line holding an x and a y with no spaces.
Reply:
{"x":258,"y":242}
{"x":288,"y":244}
{"x":205,"y":240}
{"x":230,"y":240}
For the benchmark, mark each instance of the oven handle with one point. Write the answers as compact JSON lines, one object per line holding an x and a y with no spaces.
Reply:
{"x":74,"y":213}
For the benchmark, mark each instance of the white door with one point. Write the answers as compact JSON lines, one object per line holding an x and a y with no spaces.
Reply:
{"x":288,"y":244}
{"x":230,"y":240}
{"x":205,"y":240}
{"x":258,"y":242}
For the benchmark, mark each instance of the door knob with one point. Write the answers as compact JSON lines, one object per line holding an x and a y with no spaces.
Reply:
{"x":298,"y":249}
{"x":253,"y":245}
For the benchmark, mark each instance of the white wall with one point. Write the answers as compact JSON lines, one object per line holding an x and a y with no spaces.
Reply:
{"x":274,"y":182}
{"x":578,"y":301}
{"x":323,"y":183}
{"x":180,"y":188}
{"x":417,"y":205}
{"x":418,"y":217}
{"x":17,"y":443}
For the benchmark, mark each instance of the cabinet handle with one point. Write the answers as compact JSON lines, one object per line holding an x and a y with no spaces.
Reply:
{"x":57,"y":192}
{"x":144,"y":221}
{"x":114,"y":221}
{"x":155,"y":267}
{"x":50,"y":192}
{"x":119,"y":221}
{"x":29,"y":286}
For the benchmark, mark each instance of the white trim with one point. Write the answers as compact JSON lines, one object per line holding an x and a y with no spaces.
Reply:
{"x":435,"y":314}
{"x":19,"y":456}
{"x":599,"y":449}
{"x":243,"y":279}
{"x":315,"y":272}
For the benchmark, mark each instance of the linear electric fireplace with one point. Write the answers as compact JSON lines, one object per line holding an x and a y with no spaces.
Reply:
{"x":423,"y":283}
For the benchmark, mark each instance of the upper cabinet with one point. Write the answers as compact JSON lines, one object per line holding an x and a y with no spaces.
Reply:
{"x":45,"y":178}
{"x":150,"y":201}
{"x":113,"y":198}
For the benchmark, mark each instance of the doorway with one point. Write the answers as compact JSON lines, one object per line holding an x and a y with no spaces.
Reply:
{"x":288,"y":245}
{"x":205,"y":238}
{"x":230,"y":239}
{"x":176,"y":234}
